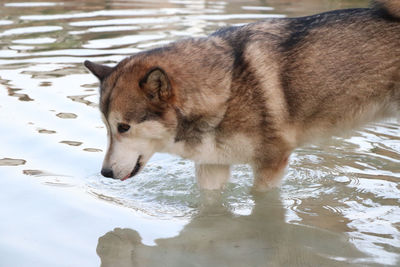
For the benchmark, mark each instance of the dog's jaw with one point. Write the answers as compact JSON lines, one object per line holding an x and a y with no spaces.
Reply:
{"x":135,"y":170}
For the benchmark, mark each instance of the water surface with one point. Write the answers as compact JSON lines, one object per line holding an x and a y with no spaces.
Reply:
{"x":339,"y":204}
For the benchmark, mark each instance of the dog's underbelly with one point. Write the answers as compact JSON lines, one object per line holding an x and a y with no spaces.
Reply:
{"x":349,"y":119}
{"x":236,"y":149}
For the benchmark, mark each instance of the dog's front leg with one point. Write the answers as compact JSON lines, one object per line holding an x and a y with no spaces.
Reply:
{"x":269,"y":175}
{"x":212,"y":176}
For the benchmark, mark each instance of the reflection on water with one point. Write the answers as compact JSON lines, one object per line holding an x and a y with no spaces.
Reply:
{"x":261,"y":238}
{"x":338,"y":205}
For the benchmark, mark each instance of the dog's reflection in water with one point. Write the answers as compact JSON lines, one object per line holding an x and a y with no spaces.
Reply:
{"x":216,"y":237}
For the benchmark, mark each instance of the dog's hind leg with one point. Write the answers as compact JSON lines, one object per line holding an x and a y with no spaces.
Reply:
{"x":212,"y":176}
{"x":268,"y":176}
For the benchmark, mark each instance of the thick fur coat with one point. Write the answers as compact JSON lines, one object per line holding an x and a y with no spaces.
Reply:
{"x":252,"y":94}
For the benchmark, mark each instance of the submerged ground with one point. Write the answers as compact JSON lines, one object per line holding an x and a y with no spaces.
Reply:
{"x":339,"y":204}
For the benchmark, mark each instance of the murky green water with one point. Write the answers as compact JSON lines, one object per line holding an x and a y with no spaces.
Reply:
{"x":339,"y":204}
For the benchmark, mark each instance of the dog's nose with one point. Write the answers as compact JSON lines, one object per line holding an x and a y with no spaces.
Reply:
{"x":107,"y":173}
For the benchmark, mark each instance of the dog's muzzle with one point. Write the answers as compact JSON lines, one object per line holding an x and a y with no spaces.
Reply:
{"x":106,"y":172}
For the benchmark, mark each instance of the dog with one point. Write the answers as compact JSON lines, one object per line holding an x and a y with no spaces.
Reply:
{"x":251,"y":94}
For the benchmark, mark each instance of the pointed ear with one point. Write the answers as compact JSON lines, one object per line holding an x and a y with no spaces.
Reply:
{"x":156,"y":85}
{"x":100,"y":71}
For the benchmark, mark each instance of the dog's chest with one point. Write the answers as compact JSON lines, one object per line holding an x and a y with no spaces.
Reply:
{"x":236,"y":149}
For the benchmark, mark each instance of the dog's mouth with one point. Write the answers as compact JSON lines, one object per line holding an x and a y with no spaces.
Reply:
{"x":135,"y":170}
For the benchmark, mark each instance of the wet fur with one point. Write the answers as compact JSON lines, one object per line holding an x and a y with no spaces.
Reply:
{"x":254,"y":93}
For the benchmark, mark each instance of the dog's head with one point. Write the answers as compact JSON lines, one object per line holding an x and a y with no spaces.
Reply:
{"x":136,"y":102}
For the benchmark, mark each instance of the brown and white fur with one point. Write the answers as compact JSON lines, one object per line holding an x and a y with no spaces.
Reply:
{"x":252,"y":94}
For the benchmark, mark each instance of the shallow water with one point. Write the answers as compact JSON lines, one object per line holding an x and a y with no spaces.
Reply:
{"x":339,"y":204}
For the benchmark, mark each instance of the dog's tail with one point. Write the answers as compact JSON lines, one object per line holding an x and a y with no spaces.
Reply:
{"x":387,"y":8}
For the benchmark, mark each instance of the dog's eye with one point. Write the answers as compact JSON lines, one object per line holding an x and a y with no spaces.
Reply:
{"x":122,"y":127}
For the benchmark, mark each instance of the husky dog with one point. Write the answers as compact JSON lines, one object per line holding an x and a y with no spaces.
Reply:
{"x":251,"y":94}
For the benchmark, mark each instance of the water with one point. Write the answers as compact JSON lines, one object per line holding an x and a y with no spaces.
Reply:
{"x":339,"y":204}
